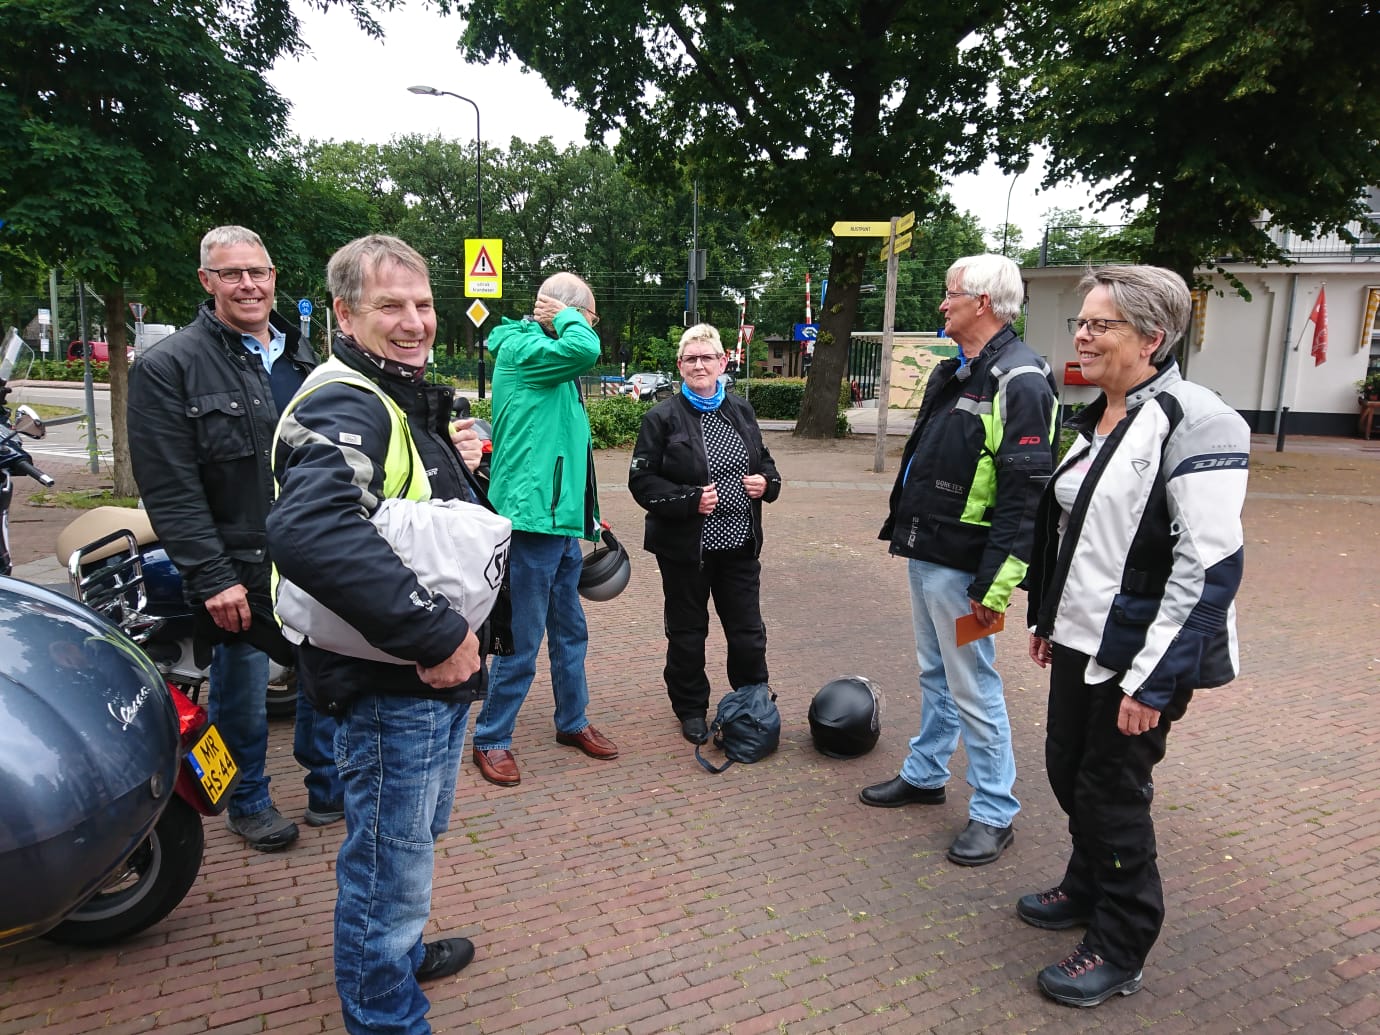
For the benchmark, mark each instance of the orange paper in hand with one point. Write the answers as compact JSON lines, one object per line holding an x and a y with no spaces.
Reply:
{"x":968,"y":628}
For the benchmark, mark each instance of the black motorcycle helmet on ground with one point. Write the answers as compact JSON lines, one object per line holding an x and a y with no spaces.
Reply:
{"x":846,"y":717}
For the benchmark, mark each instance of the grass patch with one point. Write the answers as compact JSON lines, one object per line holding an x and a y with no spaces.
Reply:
{"x":82,"y":499}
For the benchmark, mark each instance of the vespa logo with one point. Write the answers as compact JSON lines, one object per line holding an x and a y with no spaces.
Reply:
{"x":126,"y":714}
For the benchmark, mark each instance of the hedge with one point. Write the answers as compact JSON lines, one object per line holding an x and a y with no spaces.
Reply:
{"x":614,"y":420}
{"x":67,"y":370}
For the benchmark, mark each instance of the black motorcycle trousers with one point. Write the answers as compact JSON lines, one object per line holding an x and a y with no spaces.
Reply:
{"x":733,"y":579}
{"x":1102,"y":780}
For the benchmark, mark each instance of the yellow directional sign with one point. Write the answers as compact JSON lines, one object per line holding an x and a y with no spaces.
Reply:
{"x":905,"y":222}
{"x":484,"y":267}
{"x":847,"y":228}
{"x":900,"y":244}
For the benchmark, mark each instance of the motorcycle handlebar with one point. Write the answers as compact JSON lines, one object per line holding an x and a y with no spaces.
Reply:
{"x":24,"y":467}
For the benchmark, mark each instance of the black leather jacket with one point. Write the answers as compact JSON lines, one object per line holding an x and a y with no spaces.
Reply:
{"x":201,"y":420}
{"x":670,"y":469}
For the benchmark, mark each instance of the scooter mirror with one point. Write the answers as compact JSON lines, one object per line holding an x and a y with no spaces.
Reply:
{"x":27,"y":422}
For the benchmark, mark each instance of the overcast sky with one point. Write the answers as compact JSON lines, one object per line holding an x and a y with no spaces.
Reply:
{"x":354,"y":88}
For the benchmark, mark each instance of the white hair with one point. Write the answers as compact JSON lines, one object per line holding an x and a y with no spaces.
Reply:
{"x":995,"y":276}
{"x":225,"y":236}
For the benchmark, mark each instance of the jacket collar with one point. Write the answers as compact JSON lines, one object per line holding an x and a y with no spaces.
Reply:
{"x":1164,"y":378}
{"x":229,"y":336}
{"x":431,"y":399}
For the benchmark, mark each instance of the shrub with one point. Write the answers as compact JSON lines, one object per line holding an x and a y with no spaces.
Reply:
{"x":613,"y":421}
{"x":67,"y":370}
{"x":780,"y":398}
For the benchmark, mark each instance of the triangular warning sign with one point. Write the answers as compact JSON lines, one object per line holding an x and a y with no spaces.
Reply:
{"x":483,"y":265}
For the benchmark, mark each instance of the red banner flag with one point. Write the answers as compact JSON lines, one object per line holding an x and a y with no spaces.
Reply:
{"x":1319,"y":318}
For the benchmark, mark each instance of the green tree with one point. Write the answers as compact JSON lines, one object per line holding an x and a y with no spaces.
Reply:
{"x":1217,"y":112}
{"x":1071,"y":238}
{"x":804,"y":113}
{"x":126,"y":128}
{"x":937,"y":242}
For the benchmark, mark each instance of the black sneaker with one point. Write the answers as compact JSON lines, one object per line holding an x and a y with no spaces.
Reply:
{"x":266,"y":831}
{"x":1085,"y":979}
{"x":444,"y":958}
{"x":1053,"y":910}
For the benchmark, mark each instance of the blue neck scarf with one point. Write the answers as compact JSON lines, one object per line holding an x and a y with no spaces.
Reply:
{"x":699,"y":402}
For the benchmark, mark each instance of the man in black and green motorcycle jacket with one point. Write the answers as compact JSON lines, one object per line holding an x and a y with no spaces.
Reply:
{"x":962,"y":512}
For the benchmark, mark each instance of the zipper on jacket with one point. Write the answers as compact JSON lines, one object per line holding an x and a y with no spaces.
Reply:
{"x":556,"y":488}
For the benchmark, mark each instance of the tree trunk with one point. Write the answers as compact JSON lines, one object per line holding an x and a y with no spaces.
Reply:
{"x":118,"y":342}
{"x":819,"y":409}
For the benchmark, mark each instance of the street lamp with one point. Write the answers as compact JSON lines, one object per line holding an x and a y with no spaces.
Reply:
{"x":431,"y":91}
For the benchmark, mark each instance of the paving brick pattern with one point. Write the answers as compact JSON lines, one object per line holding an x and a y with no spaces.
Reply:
{"x":645,"y":895}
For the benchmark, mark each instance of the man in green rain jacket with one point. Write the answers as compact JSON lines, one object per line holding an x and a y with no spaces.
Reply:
{"x":543,"y":481}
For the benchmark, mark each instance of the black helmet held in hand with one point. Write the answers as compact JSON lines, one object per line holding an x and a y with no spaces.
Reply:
{"x":606,"y":570}
{"x":846,"y":717}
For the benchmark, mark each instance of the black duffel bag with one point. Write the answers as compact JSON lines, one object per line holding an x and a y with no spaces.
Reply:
{"x":746,"y":727}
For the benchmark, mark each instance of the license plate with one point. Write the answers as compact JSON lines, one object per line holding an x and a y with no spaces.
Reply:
{"x":213,"y":764}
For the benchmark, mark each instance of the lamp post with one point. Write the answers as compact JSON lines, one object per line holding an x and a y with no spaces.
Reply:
{"x":431,"y":91}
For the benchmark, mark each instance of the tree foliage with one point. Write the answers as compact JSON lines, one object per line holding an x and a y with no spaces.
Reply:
{"x":128,"y":127}
{"x":1217,"y":112}
{"x":801,"y":113}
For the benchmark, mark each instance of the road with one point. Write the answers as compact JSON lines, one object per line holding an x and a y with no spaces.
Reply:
{"x":67,"y":441}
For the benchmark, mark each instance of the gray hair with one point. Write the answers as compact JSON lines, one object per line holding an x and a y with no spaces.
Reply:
{"x":349,"y":266}
{"x":995,"y":276}
{"x":568,"y":288}
{"x":224,"y":237}
{"x":1153,"y":298}
{"x":704,"y":332}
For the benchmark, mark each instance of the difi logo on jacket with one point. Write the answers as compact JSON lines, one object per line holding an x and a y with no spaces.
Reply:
{"x":1030,"y":440}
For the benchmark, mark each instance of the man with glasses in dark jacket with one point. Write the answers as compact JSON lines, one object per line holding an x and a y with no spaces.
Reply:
{"x":205,"y":402}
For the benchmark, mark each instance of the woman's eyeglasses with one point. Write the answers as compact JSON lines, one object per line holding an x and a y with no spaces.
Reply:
{"x":1096,"y":328}
{"x":700,"y":359}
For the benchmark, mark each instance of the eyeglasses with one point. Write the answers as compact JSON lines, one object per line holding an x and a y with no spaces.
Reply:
{"x":701,"y":359}
{"x":951,"y":295}
{"x":1096,"y":328}
{"x":234,"y":274}
{"x":590,"y":315}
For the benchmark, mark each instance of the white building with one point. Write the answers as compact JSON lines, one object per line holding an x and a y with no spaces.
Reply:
{"x":1255,"y":354}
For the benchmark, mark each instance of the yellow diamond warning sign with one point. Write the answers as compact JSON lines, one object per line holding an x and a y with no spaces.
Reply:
{"x":484,"y":267}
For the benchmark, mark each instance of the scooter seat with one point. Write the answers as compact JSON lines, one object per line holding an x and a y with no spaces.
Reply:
{"x":101,"y":521}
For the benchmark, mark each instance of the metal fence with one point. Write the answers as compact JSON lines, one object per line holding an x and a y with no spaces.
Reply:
{"x":1093,"y":245}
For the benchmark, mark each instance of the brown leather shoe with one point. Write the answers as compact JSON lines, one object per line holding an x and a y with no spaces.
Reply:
{"x":498,"y":766}
{"x":591,"y":742}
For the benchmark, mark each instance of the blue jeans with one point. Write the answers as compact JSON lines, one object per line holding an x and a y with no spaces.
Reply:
{"x":239,"y":684}
{"x":398,"y":759}
{"x":544,"y":573}
{"x":960,"y":692}
{"x":313,"y":745}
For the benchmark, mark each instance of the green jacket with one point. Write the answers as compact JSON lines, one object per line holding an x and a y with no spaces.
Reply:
{"x":542,"y":476}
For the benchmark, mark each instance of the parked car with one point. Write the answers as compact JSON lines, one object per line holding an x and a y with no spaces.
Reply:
{"x":648,"y":386}
{"x":100,"y":351}
{"x":727,"y":381}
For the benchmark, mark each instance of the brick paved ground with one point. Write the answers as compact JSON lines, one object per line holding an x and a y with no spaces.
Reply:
{"x":645,"y":895}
